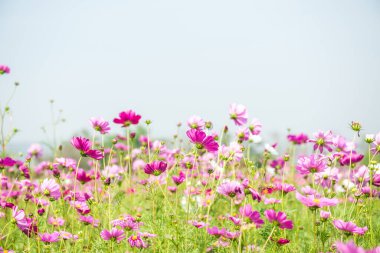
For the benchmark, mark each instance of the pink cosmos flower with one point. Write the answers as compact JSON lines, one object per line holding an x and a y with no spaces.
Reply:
{"x":349,"y":158}
{"x":349,"y":227}
{"x":271,"y":201}
{"x":4,"y":69}
{"x":114,"y":234}
{"x":376,"y":179}
{"x":198,"y":224}
{"x":255,"y":127}
{"x":179,"y":179}
{"x":311,"y":164}
{"x":84,"y":146}
{"x":35,"y":150}
{"x":322,"y":140}
{"x":324,"y":215}
{"x":95,"y":154}
{"x":19,"y":217}
{"x":235,"y":220}
{"x":50,"y":188}
{"x":242,"y":134}
{"x":376,"y":144}
{"x":81,"y":207}
{"x":100,"y":125}
{"x":66,"y":162}
{"x":255,"y":195}
{"x":135,"y":241}
{"x":199,"y":138}
{"x":316,"y":202}
{"x":89,"y":220}
{"x":350,"y":247}
{"x":234,"y":151}
{"x":155,"y":168}
{"x":278,"y":219}
{"x":286,"y":188}
{"x":49,"y":238}
{"x":24,"y":169}
{"x":2,"y":250}
{"x":327,"y":177}
{"x":67,"y":236}
{"x":196,"y":122}
{"x":238,"y":113}
{"x":361,"y":176}
{"x":216,"y":231}
{"x":127,"y":118}
{"x":282,"y":241}
{"x":278,"y":163}
{"x":231,"y":235}
{"x":5,"y":204}
{"x":231,"y":189}
{"x":31,"y":228}
{"x":298,"y":139}
{"x":253,"y":216}
{"x":57,"y":222}
{"x":127,"y":222}
{"x":188,"y":162}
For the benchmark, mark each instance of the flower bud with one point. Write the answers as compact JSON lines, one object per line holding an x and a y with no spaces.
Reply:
{"x":41,"y":211}
{"x":369,"y":138}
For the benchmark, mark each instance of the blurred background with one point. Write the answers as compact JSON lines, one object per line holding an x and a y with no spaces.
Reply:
{"x":304,"y":65}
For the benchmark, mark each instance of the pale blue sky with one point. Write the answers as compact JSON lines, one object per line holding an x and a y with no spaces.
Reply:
{"x":307,"y":65}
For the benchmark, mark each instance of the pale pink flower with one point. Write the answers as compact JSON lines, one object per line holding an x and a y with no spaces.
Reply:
{"x":238,"y":113}
{"x":196,"y":122}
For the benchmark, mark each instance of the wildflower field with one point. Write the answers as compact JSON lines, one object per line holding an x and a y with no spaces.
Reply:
{"x":206,"y":189}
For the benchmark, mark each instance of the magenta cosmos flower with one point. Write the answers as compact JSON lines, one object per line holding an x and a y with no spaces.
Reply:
{"x":311,"y":164}
{"x":84,"y":146}
{"x":279,"y":219}
{"x":179,"y":179}
{"x":155,"y":168}
{"x":199,"y":138}
{"x":4,"y":69}
{"x":315,"y":202}
{"x":49,"y":238}
{"x":100,"y":125}
{"x":238,"y":113}
{"x":127,"y":118}
{"x":322,"y":140}
{"x":6,"y":162}
{"x":251,"y":215}
{"x":82,"y":176}
{"x":349,"y":227}
{"x":135,"y":241}
{"x":114,"y":234}
{"x":298,"y":139}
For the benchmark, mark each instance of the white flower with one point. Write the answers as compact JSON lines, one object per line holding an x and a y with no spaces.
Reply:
{"x":255,"y":138}
{"x":271,"y":149}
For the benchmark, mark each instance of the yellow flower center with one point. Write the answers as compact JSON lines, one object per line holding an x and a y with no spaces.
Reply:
{"x":316,"y":201}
